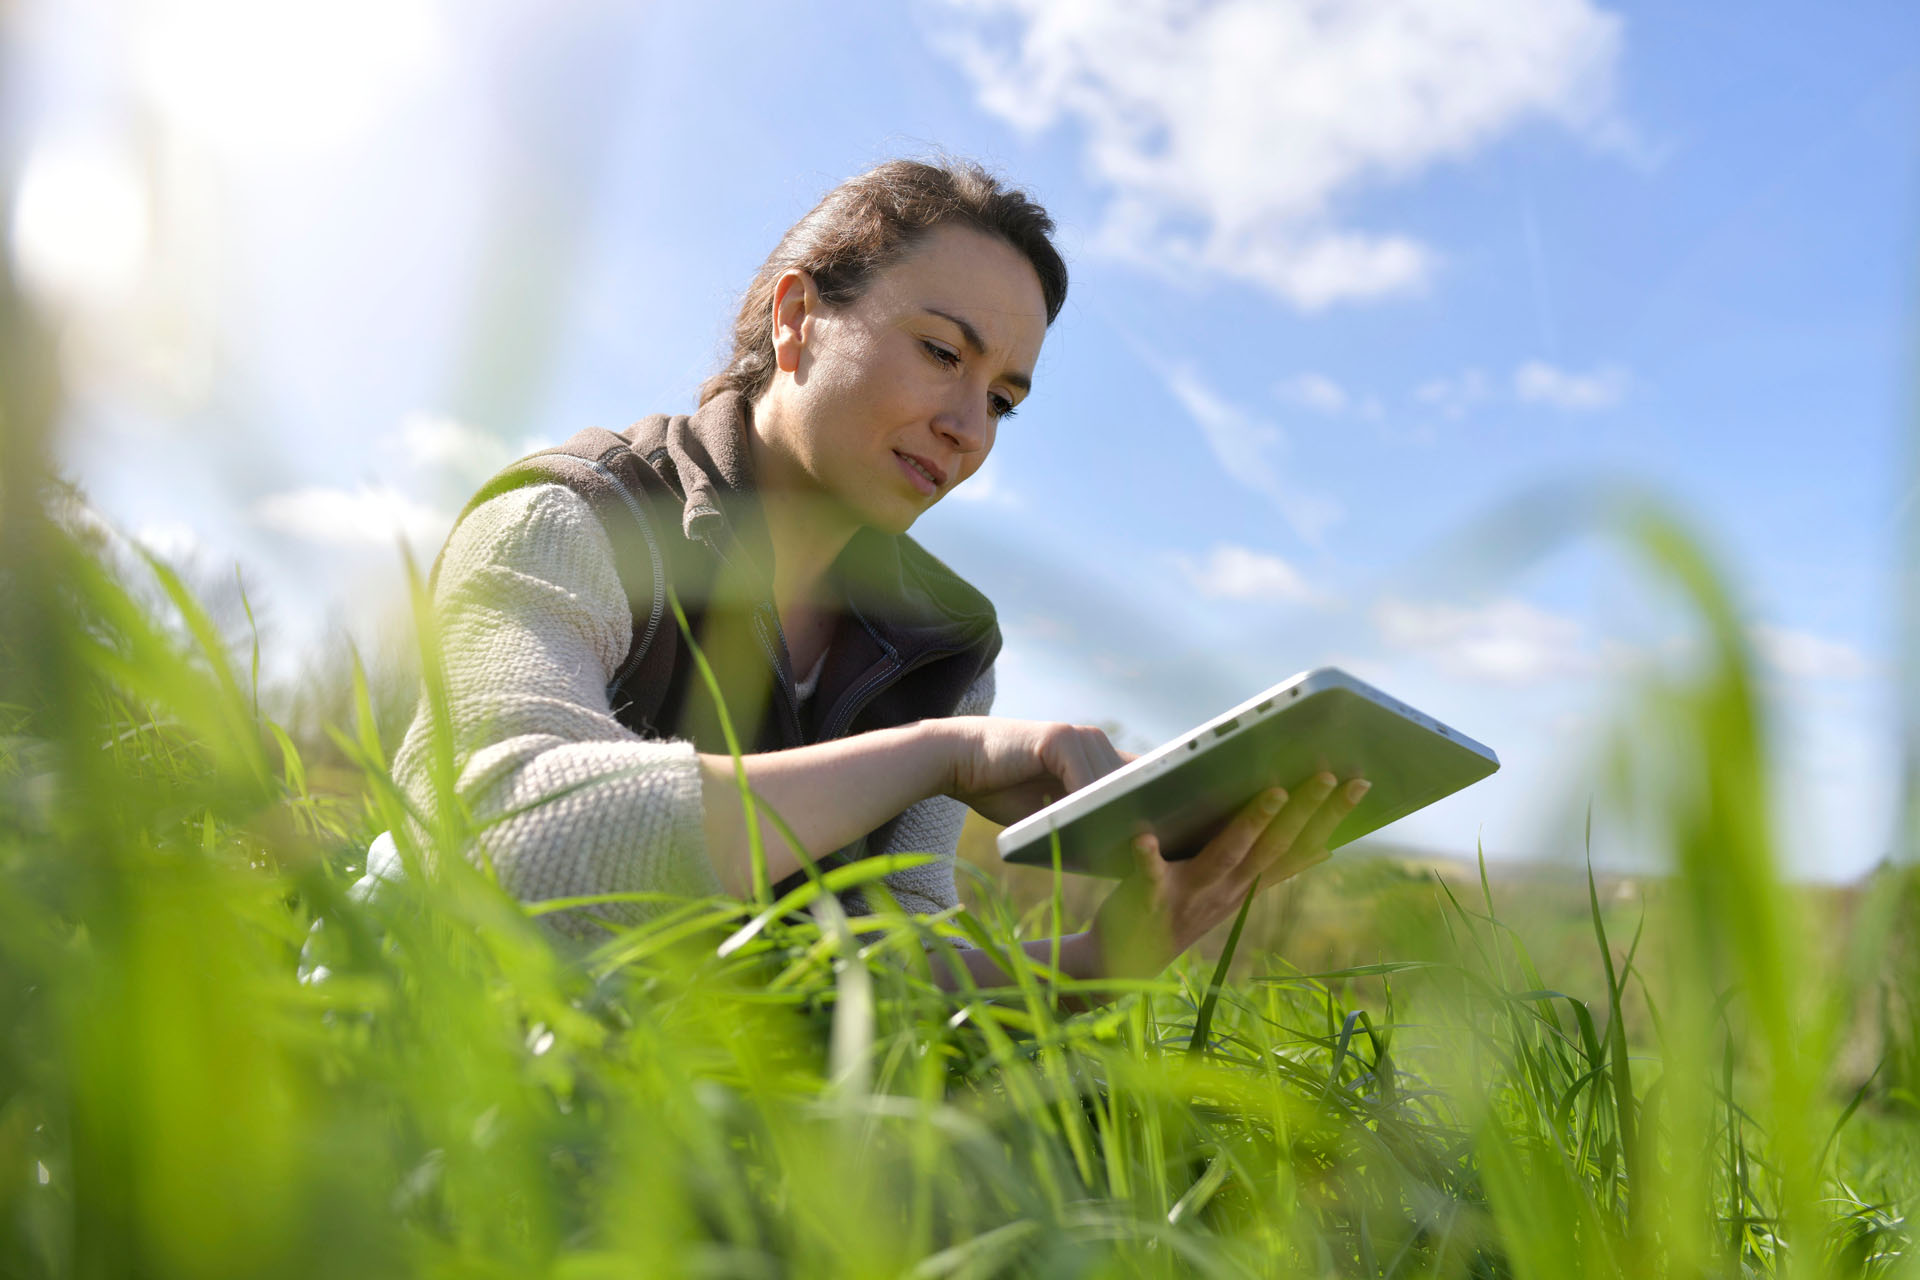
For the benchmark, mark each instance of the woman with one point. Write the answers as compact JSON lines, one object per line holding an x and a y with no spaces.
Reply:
{"x":875,"y":355}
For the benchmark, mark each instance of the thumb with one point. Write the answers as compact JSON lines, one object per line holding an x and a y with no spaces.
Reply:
{"x":1135,"y":939}
{"x":1146,"y":858}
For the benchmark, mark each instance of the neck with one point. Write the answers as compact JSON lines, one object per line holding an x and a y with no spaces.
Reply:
{"x":807,"y":532}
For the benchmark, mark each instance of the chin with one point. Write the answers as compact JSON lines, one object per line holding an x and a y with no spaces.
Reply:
{"x":892,"y":522}
{"x":878,"y":506}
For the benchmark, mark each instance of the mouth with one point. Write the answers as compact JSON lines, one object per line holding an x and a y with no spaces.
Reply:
{"x":924,"y":472}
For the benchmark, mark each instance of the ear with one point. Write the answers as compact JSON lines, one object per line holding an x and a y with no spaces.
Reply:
{"x":796,"y":300}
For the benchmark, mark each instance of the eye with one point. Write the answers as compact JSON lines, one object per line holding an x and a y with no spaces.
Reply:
{"x":945,"y":355}
{"x":1000,"y":405}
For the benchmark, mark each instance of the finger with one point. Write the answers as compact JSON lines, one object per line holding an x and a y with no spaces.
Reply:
{"x":1095,"y":751}
{"x":1147,"y":860}
{"x":1105,"y":754}
{"x":1131,"y":926}
{"x":1083,"y":760}
{"x":1284,"y":831}
{"x":1061,"y":757}
{"x":1073,"y":756}
{"x":1312,"y":840}
{"x":1286,"y":868}
{"x":1227,"y":850}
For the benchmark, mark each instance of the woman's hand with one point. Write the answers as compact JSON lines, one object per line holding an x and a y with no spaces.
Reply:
{"x":1164,"y":907}
{"x":1006,"y":769}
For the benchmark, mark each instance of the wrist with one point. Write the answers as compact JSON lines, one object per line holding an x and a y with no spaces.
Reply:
{"x":936,"y":745}
{"x":1080,"y":956}
{"x":1129,"y":936}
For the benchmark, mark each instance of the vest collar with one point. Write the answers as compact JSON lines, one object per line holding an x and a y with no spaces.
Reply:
{"x":707,"y":458}
{"x":892,"y":584}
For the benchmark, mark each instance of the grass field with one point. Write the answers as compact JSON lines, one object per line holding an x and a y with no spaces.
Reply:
{"x":1383,"y":1072}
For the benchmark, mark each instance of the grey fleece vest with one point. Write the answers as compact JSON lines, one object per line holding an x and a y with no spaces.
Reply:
{"x":675,"y":496}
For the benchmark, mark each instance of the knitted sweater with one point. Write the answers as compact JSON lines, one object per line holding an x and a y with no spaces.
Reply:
{"x":533,"y":626}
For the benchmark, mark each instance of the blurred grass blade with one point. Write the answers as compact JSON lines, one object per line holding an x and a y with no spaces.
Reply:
{"x":1203,"y":1019}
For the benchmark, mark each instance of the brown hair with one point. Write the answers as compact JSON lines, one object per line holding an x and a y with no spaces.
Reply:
{"x":868,"y":223}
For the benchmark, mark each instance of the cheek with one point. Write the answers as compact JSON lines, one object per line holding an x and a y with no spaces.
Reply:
{"x":970,"y":462}
{"x":832,"y":397}
{"x":842,"y":352}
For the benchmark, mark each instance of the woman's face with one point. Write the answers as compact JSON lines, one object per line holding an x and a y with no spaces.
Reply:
{"x":881,"y":407}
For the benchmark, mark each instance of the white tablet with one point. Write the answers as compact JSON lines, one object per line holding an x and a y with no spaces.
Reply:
{"x":1186,"y":790}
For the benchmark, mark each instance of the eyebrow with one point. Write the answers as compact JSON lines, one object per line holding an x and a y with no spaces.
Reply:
{"x":971,"y":336}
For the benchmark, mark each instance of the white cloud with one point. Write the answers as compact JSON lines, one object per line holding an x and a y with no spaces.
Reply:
{"x":1248,"y":450}
{"x":1505,"y":642}
{"x":1312,"y":273}
{"x":984,"y":487}
{"x":1229,"y":132}
{"x":1537,"y":382}
{"x":1040,"y":629}
{"x":1806,"y":656}
{"x":443,"y":443}
{"x":171,"y":540}
{"x":1455,"y":395}
{"x":1239,"y":573}
{"x":1314,"y":391}
{"x":367,"y":516}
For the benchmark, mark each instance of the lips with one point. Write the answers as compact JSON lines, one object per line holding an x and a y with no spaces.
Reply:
{"x":924,"y":470}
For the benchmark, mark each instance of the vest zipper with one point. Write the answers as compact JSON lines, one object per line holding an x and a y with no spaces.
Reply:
{"x":855,"y":700}
{"x":789,"y":699}
{"x":852,"y":702}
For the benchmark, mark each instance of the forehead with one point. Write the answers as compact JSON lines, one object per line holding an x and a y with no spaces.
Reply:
{"x":976,"y":276}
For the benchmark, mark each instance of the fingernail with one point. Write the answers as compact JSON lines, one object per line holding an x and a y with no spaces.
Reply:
{"x":1327,"y":780}
{"x":1143,"y":844}
{"x":1272,"y":801}
{"x":1357,"y":789}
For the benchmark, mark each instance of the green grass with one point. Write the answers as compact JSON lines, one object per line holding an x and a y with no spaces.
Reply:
{"x":742,"y":1091}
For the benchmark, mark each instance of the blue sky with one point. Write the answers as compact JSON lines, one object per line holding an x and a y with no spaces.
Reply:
{"x":1347,"y":281}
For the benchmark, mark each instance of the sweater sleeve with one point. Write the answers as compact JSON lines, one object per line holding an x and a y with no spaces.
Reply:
{"x":933,"y":826}
{"x":533,"y":624}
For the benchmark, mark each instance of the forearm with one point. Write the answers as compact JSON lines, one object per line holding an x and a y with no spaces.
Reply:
{"x":828,"y":794}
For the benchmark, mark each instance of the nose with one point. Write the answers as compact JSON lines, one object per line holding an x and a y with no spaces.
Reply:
{"x":967,"y":427}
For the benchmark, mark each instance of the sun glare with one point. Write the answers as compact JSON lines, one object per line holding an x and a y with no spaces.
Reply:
{"x":81,"y":223}
{"x":274,"y":78}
